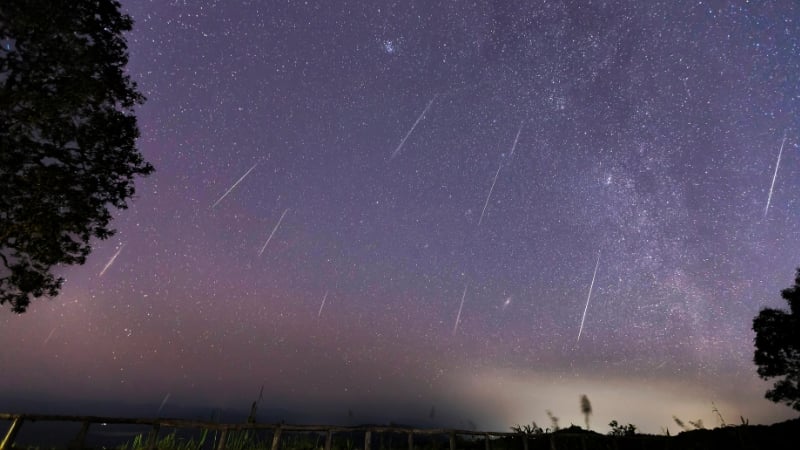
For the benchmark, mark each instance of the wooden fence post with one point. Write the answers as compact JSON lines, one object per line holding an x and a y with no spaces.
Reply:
{"x":223,"y":436}
{"x":276,"y":438}
{"x":367,"y":440}
{"x":524,"y":442}
{"x":452,"y":440}
{"x":80,"y":439}
{"x":410,"y":440}
{"x":486,"y":441}
{"x":553,"y":442}
{"x":152,"y":440}
{"x":8,"y":441}
{"x":328,"y":439}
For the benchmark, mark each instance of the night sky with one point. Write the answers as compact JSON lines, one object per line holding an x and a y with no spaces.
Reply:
{"x":399,"y":211}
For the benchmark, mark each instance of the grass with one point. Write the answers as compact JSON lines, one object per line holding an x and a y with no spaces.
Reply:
{"x":169,"y":442}
{"x":237,"y":440}
{"x":249,"y":439}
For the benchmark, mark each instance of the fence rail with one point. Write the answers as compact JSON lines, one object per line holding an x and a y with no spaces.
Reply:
{"x":157,"y":424}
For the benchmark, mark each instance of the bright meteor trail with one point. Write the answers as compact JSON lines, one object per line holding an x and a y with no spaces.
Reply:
{"x":397,"y":150}
{"x":589,"y":297}
{"x":273,"y":232}
{"x":234,"y":185}
{"x":323,"y":304}
{"x":458,"y":316}
{"x":111,"y":261}
{"x":775,"y":175}
{"x":516,"y":139}
{"x":486,"y":203}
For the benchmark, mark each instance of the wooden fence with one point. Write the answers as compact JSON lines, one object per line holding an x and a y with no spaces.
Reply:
{"x":157,"y":425}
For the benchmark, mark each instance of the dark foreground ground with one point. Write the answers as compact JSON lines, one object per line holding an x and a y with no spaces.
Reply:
{"x":780,"y":436}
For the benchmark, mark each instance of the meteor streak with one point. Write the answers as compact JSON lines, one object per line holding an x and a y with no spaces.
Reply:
{"x":458,"y":316}
{"x":486,"y":203}
{"x":273,"y":232}
{"x":234,"y":185}
{"x":111,"y":261}
{"x":323,"y":304}
{"x":163,"y":402}
{"x":515,"y":141}
{"x":47,"y":339}
{"x":397,"y":150}
{"x":589,"y":297}
{"x":775,"y":175}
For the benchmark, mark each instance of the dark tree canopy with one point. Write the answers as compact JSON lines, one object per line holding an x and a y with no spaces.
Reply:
{"x":67,"y":137}
{"x":778,"y":347}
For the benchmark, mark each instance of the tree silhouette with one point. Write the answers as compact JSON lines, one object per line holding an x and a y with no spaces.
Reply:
{"x":586,"y":409}
{"x":67,"y":137}
{"x":777,"y":344}
{"x":553,"y":420}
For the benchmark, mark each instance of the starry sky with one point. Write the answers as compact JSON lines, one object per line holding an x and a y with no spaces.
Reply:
{"x":465,"y":213}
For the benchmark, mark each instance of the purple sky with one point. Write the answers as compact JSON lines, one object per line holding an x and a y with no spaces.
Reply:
{"x":648,"y":134}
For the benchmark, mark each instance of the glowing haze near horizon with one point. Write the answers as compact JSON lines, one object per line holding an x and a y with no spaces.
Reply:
{"x":383,"y":181}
